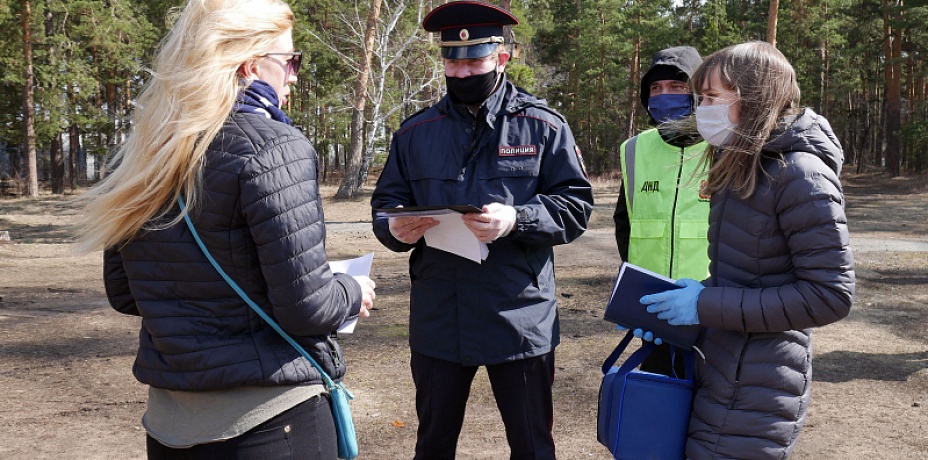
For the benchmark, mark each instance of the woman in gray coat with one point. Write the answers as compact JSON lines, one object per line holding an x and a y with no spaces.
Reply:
{"x":780,"y":259}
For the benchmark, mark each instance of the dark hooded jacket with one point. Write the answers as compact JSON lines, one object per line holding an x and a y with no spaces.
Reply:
{"x":781,"y":264}
{"x":677,"y":63}
{"x":260,"y":216}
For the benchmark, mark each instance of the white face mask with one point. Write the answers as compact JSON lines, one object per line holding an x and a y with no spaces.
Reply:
{"x":713,"y":124}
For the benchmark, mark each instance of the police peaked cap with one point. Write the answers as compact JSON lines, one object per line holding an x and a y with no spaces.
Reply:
{"x":468,"y":29}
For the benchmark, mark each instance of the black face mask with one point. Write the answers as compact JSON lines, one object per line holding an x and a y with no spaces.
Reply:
{"x":474,"y":89}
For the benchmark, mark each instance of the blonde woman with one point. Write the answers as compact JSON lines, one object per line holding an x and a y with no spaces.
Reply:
{"x":780,"y":264}
{"x":209,"y":129}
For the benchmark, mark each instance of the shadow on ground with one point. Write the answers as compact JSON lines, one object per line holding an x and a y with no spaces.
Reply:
{"x":845,"y":366}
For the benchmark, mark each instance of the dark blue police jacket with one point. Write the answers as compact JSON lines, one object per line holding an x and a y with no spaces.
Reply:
{"x":518,"y":152}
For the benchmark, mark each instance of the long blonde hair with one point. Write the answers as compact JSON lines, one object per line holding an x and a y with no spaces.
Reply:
{"x":194,"y":83}
{"x":767,"y":89}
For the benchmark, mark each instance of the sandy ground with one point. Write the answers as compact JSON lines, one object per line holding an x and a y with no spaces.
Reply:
{"x":66,"y":390}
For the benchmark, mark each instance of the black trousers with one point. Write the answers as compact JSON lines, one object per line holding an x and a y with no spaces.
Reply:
{"x":305,"y":432}
{"x":522,"y":390}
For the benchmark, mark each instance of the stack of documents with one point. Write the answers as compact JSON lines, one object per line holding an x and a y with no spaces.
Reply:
{"x":450,"y":234}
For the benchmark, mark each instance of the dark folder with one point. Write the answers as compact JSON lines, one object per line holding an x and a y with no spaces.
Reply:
{"x":426,"y":210}
{"x":624,"y":308}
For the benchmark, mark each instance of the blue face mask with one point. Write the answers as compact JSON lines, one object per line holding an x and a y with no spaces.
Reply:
{"x":669,"y":107}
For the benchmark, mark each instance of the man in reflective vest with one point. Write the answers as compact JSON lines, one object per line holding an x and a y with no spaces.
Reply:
{"x":660,"y":218}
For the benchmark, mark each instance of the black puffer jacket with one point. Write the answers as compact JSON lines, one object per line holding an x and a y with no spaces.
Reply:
{"x":780,"y":265}
{"x":261,"y":217}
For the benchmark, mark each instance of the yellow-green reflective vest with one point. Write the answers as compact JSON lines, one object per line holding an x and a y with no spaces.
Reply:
{"x":669,"y":219}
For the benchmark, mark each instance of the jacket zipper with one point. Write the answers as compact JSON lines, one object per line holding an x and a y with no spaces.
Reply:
{"x":472,"y":154}
{"x":333,"y":350}
{"x":673,"y":213}
{"x":737,"y":383}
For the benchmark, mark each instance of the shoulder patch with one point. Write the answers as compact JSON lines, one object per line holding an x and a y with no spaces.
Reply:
{"x":523,"y":105}
{"x":580,"y":160}
{"x":548,"y":109}
{"x":421,"y":111}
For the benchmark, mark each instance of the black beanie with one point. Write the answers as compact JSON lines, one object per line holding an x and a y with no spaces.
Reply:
{"x":676,"y":63}
{"x":664,"y":72}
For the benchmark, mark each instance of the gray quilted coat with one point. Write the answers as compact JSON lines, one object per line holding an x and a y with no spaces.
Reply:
{"x":261,"y":218}
{"x":780,"y":265}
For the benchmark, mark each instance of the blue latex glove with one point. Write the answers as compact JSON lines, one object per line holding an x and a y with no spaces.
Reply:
{"x":639,"y":333}
{"x":677,"y":306}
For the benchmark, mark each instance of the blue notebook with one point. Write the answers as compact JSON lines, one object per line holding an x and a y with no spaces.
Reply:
{"x":624,"y":308}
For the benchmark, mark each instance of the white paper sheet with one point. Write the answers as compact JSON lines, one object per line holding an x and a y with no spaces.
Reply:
{"x":359,"y":266}
{"x":453,"y":236}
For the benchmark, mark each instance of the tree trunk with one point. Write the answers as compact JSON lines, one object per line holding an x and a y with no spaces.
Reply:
{"x":632,"y":95}
{"x":74,"y":140}
{"x":824,"y":78}
{"x":852,"y":135}
{"x":111,"y":110}
{"x":893,"y":51}
{"x":351,"y":183}
{"x":57,"y":160}
{"x":57,"y":156}
{"x":772,"y":19}
{"x":32,"y":175}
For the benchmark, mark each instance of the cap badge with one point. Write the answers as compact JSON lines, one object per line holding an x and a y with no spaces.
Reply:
{"x":464,"y":34}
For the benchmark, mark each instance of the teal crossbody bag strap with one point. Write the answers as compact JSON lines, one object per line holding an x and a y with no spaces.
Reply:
{"x":329,"y":383}
{"x":338,"y":394}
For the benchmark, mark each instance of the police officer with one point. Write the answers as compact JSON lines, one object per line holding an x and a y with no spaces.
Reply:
{"x":493,"y":145}
{"x":660,"y":219}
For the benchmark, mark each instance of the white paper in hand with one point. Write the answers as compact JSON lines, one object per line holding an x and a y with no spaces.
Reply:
{"x":355,"y":267}
{"x":453,"y":236}
{"x":359,"y":266}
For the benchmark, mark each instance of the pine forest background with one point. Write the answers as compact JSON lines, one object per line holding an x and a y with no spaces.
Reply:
{"x":72,"y":70}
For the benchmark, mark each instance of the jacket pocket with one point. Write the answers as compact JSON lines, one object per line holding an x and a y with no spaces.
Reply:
{"x":648,"y":228}
{"x":691,"y":254}
{"x":516,"y":166}
{"x":694,"y":230}
{"x":434,"y":171}
{"x":435,"y":182}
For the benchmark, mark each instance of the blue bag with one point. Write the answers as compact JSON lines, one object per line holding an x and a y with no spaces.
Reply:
{"x":344,"y":424}
{"x":643,"y":415}
{"x":338,"y":394}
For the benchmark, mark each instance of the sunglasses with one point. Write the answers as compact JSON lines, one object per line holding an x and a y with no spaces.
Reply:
{"x":293,"y":64}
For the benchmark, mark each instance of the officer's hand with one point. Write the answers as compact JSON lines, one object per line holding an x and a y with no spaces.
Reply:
{"x":367,"y":295}
{"x":495,"y":221}
{"x":409,"y":229}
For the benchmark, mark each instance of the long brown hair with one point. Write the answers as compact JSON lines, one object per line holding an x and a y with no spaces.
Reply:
{"x":767,"y":90}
